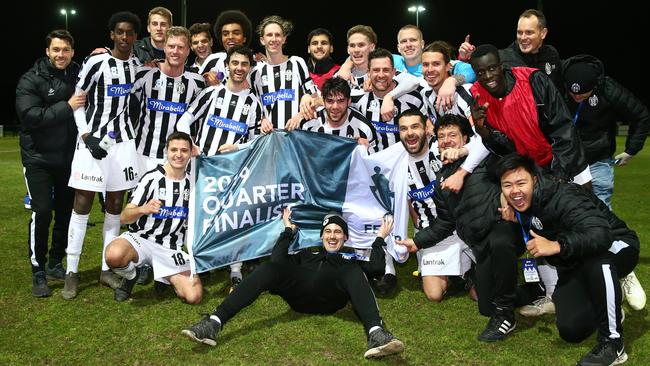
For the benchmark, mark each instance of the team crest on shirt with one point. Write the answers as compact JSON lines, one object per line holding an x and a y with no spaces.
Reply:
{"x":409,"y":178}
{"x":548,"y":68}
{"x":180,"y":87}
{"x":160,"y":83}
{"x":162,"y":192}
{"x":246,"y":109}
{"x":288,"y":75}
{"x":593,"y":100}
{"x":435,"y":165}
{"x":575,"y":88}
{"x":374,"y":105}
{"x":265,"y":80}
{"x":220,"y":102}
{"x":536,"y":222}
{"x":115,"y":71}
{"x":186,"y":194}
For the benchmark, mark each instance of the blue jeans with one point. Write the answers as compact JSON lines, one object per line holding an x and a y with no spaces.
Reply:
{"x":602,"y":180}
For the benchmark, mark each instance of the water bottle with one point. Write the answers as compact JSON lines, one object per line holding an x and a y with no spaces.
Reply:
{"x":108,"y":140}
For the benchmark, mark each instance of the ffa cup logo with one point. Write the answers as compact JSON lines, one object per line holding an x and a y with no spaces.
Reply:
{"x":536,"y":222}
{"x":593,"y":100}
{"x":575,"y":88}
{"x":382,"y":191}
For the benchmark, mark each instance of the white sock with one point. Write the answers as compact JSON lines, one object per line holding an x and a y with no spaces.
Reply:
{"x":235,"y":270}
{"x":374,"y":329}
{"x":548,"y":275}
{"x":127,"y":272}
{"x":110,"y":231}
{"x":216,"y":319}
{"x":76,"y":235}
{"x":390,"y":266}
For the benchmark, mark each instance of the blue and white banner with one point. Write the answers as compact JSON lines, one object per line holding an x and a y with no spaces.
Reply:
{"x":237,"y":200}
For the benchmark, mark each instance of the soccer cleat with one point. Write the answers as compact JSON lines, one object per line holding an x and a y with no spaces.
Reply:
{"x":69,"y":291}
{"x":605,"y":353}
{"x":234,"y":282}
{"x":123,"y":292}
{"x":539,"y":307}
{"x":381,"y":343}
{"x":386,"y":285}
{"x":633,"y":292}
{"x":110,"y":279}
{"x":145,"y":274}
{"x":39,"y":285}
{"x":498,"y":327}
{"x":204,"y":331}
{"x":55,"y":273}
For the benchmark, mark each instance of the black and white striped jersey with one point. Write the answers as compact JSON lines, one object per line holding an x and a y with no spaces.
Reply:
{"x":163,"y":100}
{"x":215,"y":62}
{"x":370,"y":106}
{"x":461,"y":107}
{"x":167,"y":227}
{"x":421,"y":181}
{"x":224,"y":117}
{"x":108,"y":82}
{"x":280,"y":87}
{"x":355,"y":126}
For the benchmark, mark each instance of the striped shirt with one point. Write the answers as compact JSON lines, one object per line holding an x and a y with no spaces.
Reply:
{"x":108,"y":82}
{"x":280,"y":87}
{"x":163,"y":100}
{"x":421,"y":181}
{"x":387,"y":131}
{"x":167,"y":227}
{"x":355,"y":126}
{"x":461,"y":107}
{"x":225,"y":117}
{"x":215,"y":62}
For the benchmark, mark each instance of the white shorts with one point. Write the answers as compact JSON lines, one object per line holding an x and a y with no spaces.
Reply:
{"x":165,"y":262}
{"x":583,"y":177}
{"x":450,"y":257}
{"x":118,"y":171}
{"x":147,"y":163}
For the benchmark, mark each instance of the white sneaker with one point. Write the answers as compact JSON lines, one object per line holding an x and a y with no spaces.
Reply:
{"x":541,"y":306}
{"x":633,"y":292}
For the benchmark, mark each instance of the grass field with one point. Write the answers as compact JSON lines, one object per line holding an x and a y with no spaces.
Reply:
{"x":94,"y":329}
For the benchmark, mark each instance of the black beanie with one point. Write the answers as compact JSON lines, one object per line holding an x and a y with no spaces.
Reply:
{"x":581,"y":77}
{"x":334,"y":218}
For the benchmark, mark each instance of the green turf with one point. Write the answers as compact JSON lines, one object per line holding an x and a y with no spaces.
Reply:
{"x":93,"y":329}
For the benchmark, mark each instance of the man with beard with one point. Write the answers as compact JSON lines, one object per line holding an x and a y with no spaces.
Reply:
{"x":320,"y":64}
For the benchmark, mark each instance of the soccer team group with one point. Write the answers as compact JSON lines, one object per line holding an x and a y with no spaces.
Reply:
{"x":510,"y":155}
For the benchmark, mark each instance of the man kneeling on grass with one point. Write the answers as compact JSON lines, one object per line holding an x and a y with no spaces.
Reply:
{"x":157,"y":218}
{"x":318,"y":281}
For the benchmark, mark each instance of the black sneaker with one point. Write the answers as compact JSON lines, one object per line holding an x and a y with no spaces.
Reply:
{"x":498,"y":327}
{"x":145,"y":274}
{"x":609,"y":352}
{"x":204,"y":331}
{"x":123,"y":292}
{"x":55,"y":273}
{"x":39,"y":285}
{"x":234,"y":282}
{"x":386,"y":285}
{"x":381,"y":343}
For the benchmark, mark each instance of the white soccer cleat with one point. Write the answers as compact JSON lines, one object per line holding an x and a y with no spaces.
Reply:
{"x":633,"y":292}
{"x":539,"y":307}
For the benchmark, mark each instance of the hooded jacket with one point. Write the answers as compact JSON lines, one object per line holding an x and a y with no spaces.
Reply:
{"x":609,"y":103}
{"x":577,"y":219}
{"x":47,"y":129}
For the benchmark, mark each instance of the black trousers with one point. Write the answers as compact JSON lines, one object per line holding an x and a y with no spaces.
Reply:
{"x":497,"y":269}
{"x":588,"y":297}
{"x":306,"y":291}
{"x":48,"y":191}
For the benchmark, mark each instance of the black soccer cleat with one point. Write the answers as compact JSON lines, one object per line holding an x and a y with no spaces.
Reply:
{"x":608,"y":352}
{"x":498,"y":327}
{"x":381,"y":343}
{"x":205,"y":331}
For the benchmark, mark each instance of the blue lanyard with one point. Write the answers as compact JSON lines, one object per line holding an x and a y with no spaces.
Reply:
{"x":523,"y":229}
{"x":575,"y":117}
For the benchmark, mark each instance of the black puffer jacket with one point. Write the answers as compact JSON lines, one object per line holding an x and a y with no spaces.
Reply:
{"x":547,"y":59}
{"x":47,"y":129}
{"x":472,"y":212}
{"x":577,"y":219}
{"x":145,"y":51}
{"x":609,"y":103}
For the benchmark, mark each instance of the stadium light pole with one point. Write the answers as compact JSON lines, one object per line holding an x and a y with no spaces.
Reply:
{"x":65,"y":13}
{"x":417,"y":9}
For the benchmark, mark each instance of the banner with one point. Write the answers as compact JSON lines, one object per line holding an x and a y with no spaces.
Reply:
{"x":238,"y":198}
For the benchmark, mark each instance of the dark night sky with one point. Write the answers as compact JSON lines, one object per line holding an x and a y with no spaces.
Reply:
{"x":582,"y":27}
